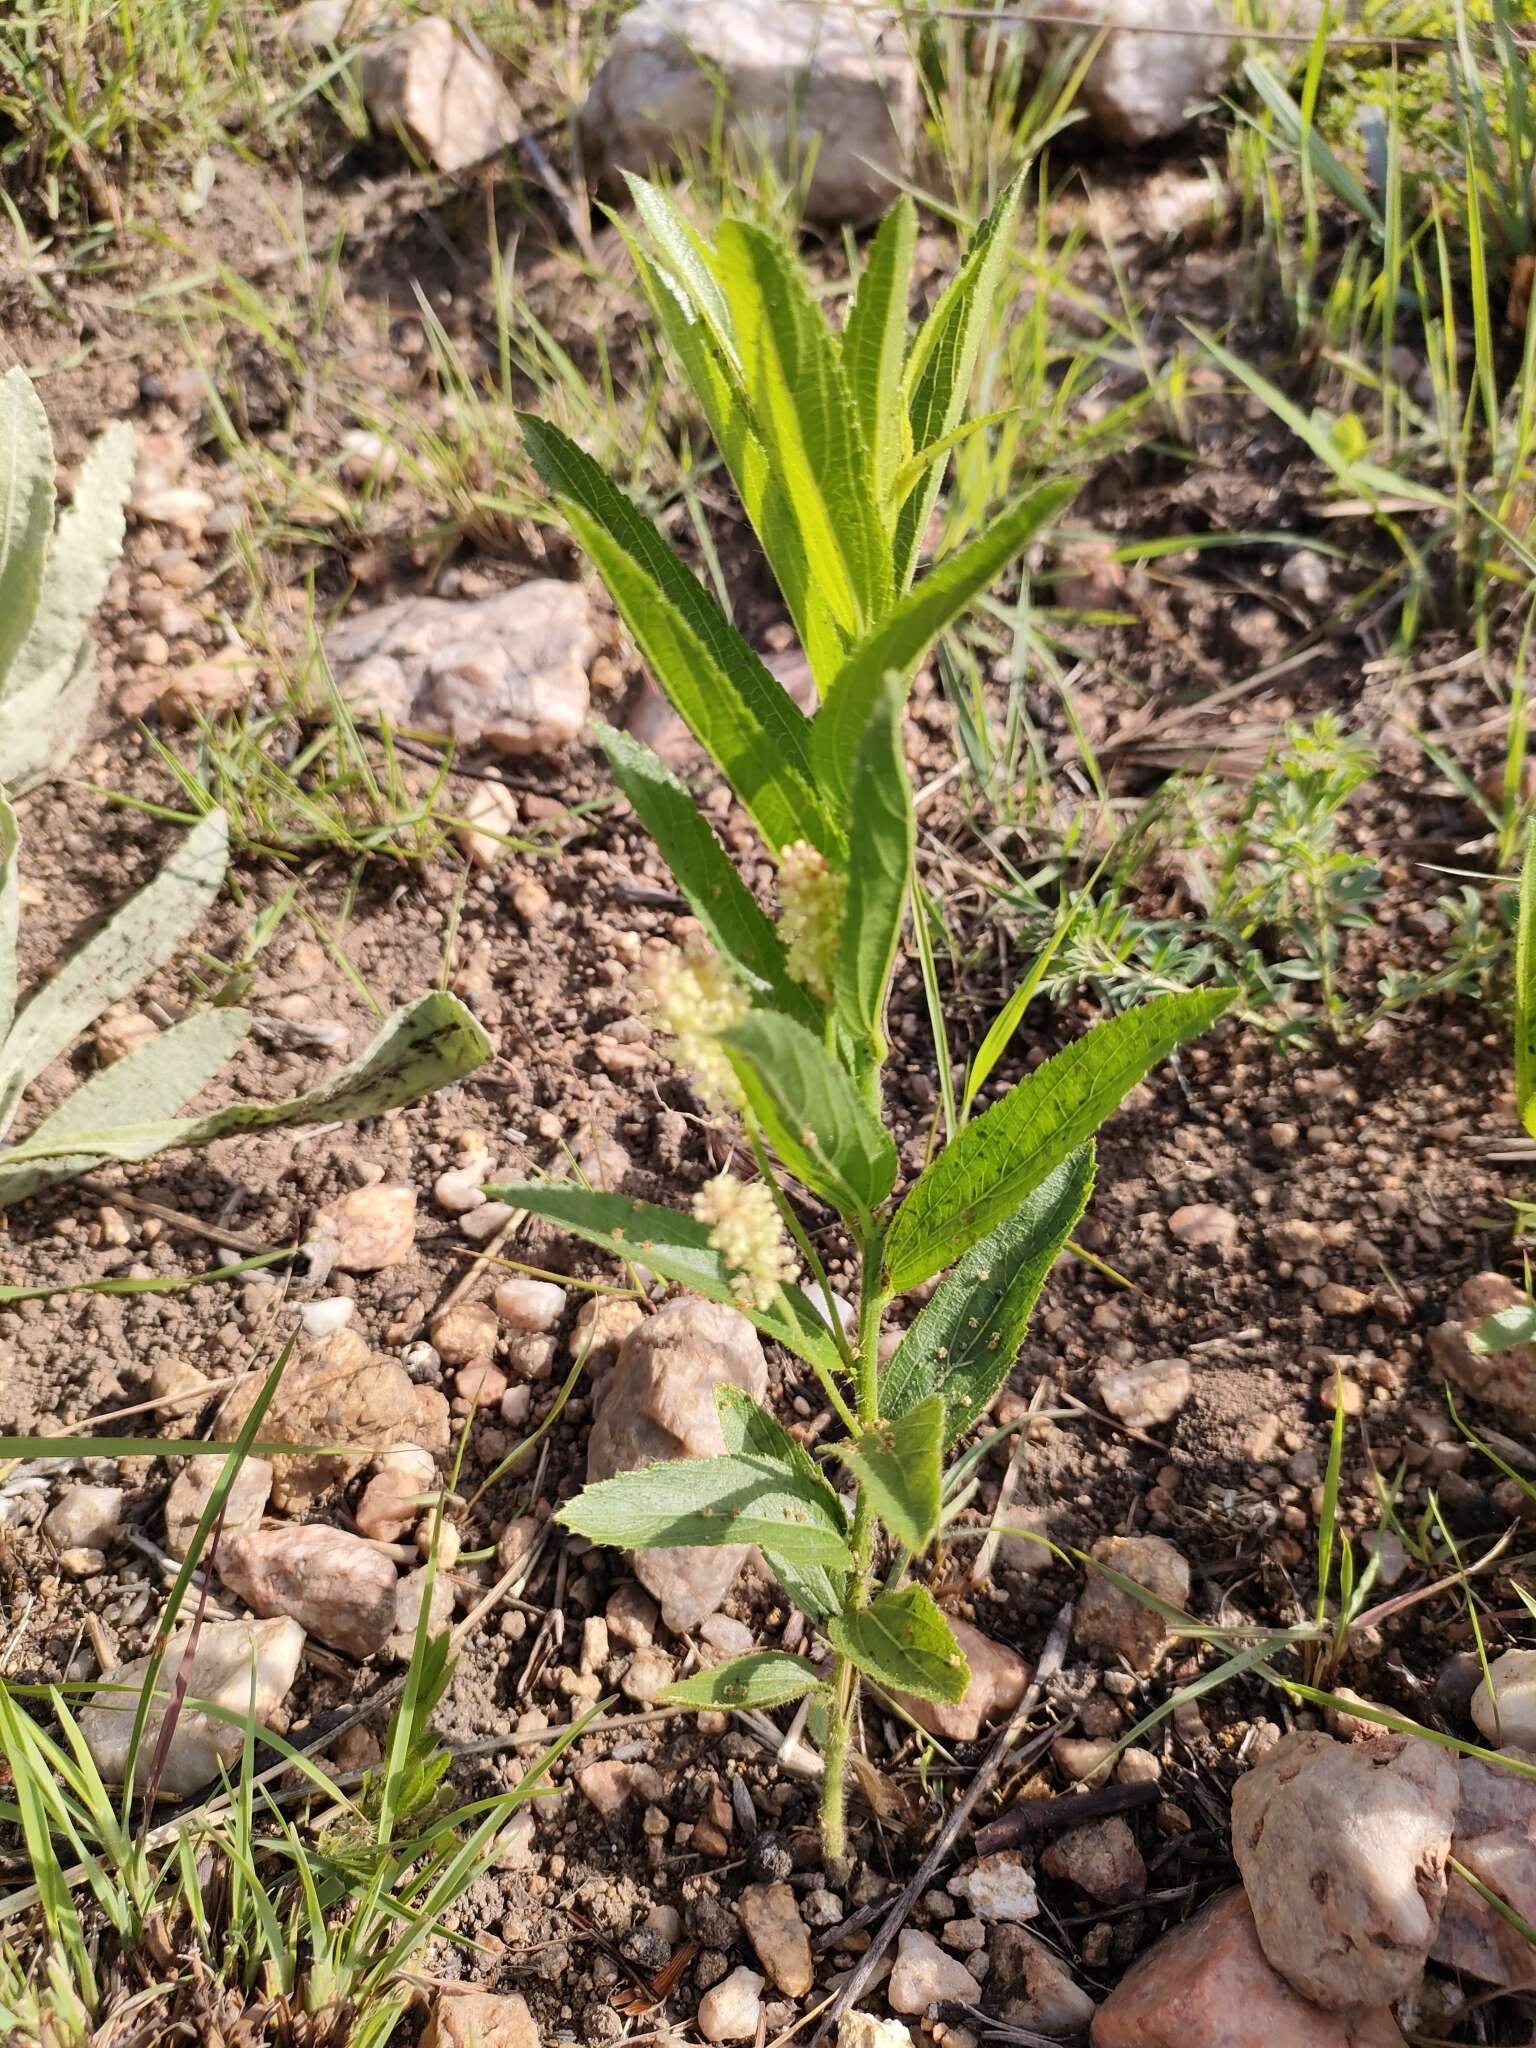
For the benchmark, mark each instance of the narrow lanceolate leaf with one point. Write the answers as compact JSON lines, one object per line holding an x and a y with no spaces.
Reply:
{"x":815,"y":1121}
{"x":422,"y":1046}
{"x":749,"y":1428}
{"x":899,"y":1464}
{"x":1001,"y":1157}
{"x":26,"y":509}
{"x":903,"y":1642}
{"x":899,"y":642}
{"x":153,"y":1081}
{"x":737,"y":925}
{"x":1508,"y":1330}
{"x":44,"y":720}
{"x":80,"y":562}
{"x":130,"y":946}
{"x":1525,"y":991}
{"x":875,"y":342}
{"x":731,"y":1499}
{"x":879,"y":870}
{"x":672,"y":1244}
{"x":711,"y":375}
{"x":9,"y":917}
{"x":794,"y":378}
{"x":736,"y":709}
{"x":765,"y":1678}
{"x":942,"y":362}
{"x":686,"y":258}
{"x":965,"y":1339}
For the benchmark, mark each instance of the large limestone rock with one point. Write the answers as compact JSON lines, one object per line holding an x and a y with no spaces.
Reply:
{"x":1142,"y":84}
{"x":1505,"y":1712}
{"x":444,"y":97}
{"x":1496,"y":1840}
{"x":335,"y":1391}
{"x":998,"y":1678}
{"x":246,"y":1667}
{"x":833,"y":86}
{"x":508,"y":671}
{"x":1208,"y":1985}
{"x":337,"y":1586}
{"x":1504,"y":1379}
{"x":660,"y":1404}
{"x":1342,"y":1849}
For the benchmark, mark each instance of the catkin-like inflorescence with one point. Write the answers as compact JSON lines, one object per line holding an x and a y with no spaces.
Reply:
{"x":695,"y":998}
{"x":746,"y":1231}
{"x":810,"y":915}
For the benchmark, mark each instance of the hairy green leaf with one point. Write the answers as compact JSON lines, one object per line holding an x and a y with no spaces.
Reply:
{"x":942,"y":362}
{"x":903,"y":1642}
{"x":1001,"y":1157}
{"x":966,"y":1338}
{"x":151,"y":1082}
{"x":419,"y":1047}
{"x":875,"y":341}
{"x":673,"y":1244}
{"x":898,"y":1463}
{"x":807,"y":1105}
{"x":135,"y":940}
{"x":9,"y":918}
{"x":26,"y":509}
{"x":729,"y":912}
{"x":879,"y":871}
{"x":731,"y":1499}
{"x":764,"y":1678}
{"x":1507,"y":1330}
{"x":749,"y":1428}
{"x":737,"y":710}
{"x":79,"y":564}
{"x":899,"y":642}
{"x":794,"y":378}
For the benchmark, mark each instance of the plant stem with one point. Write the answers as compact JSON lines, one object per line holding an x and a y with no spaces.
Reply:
{"x":845,"y":1685}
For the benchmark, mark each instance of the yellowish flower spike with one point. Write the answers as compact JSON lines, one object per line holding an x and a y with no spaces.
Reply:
{"x":811,"y":916}
{"x":695,"y":998}
{"x":746,"y":1231}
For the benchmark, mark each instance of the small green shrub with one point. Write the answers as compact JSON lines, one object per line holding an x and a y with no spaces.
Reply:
{"x":51,"y":581}
{"x":127,"y":1110}
{"x":837,"y":445}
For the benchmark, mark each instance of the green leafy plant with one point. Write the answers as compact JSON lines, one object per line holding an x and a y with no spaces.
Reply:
{"x":127,"y":1111}
{"x":837,"y":444}
{"x":51,"y":581}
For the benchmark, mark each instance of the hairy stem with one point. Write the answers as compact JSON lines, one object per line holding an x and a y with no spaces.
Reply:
{"x":834,"y":1786}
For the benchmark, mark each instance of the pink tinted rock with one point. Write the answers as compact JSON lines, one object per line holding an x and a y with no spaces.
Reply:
{"x":338,"y":1587}
{"x":998,"y":1678}
{"x":1101,"y":1859}
{"x":1504,"y":1379}
{"x":369,"y":1228}
{"x":1496,"y":1839}
{"x":1207,"y":1984}
{"x":660,"y":1404}
{"x":1116,"y":1622}
{"x":1342,"y":1850}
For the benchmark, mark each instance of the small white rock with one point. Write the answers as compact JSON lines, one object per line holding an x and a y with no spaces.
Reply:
{"x":1000,"y":1887}
{"x":730,"y":2011}
{"x":85,"y":1518}
{"x":325,"y":1318}
{"x":923,"y":1974}
{"x":459,"y":1190}
{"x":531,"y":1305}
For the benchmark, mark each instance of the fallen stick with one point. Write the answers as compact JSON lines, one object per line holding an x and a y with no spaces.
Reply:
{"x":1072,"y":1809}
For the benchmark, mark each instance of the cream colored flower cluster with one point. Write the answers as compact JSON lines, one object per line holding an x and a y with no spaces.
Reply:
{"x":810,"y":916}
{"x":695,"y":998}
{"x":746,"y":1231}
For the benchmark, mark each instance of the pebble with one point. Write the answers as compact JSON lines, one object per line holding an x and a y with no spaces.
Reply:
{"x":1504,"y":1379}
{"x":244,"y":1666}
{"x":650,"y":1672}
{"x":1495,"y":1838}
{"x":466,"y":1333}
{"x":121,"y":1030}
{"x":998,"y":1678}
{"x":392,"y":1499}
{"x":771,"y":1917}
{"x":768,"y":1860}
{"x":726,"y":1636}
{"x":1145,"y":1396}
{"x":730,"y":2011}
{"x":531,"y":1305}
{"x":1101,"y":1859}
{"x":369,"y":1228}
{"x":482,"y":1224}
{"x":459,"y":1190}
{"x":1206,"y":1984}
{"x":609,"y":1786}
{"x":1342,"y":1850}
{"x":480,"y":2019}
{"x":1029,"y":1987}
{"x":632,"y":1615}
{"x":864,"y":2030}
{"x":490,"y":811}
{"x":336,"y":1586}
{"x":244,"y":1504}
{"x":87,"y":1517}
{"x":1203,"y":1224}
{"x":1116,"y":1623}
{"x":1506,"y":1715}
{"x":324,"y":1318}
{"x":480,"y":1385}
{"x":1000,"y":1887}
{"x":924,"y":1974}
{"x":601,"y":1326}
